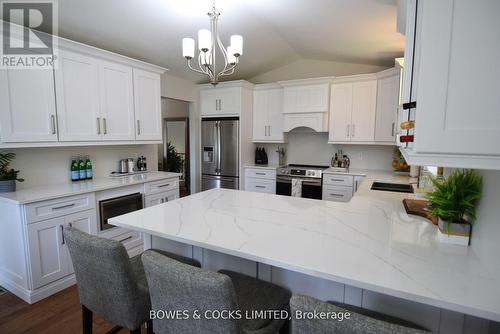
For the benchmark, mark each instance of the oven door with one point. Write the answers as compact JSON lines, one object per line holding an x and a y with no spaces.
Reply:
{"x":117,"y":206}
{"x":312,"y":189}
{"x":283,"y":186}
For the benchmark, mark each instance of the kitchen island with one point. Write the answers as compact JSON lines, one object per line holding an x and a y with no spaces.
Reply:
{"x":360,"y":252}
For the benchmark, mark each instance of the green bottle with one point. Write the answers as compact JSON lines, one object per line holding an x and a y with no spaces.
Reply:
{"x":75,"y":170}
{"x":82,"y":169}
{"x":88,"y":168}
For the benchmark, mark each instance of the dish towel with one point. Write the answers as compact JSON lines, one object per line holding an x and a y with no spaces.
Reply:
{"x":296,"y":188}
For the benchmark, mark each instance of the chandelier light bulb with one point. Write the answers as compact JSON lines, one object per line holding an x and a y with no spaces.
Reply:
{"x":204,"y":40}
{"x":188,"y":48}
{"x":231,"y":59}
{"x":237,"y":45}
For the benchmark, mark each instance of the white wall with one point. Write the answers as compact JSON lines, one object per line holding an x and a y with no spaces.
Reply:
{"x":171,"y":108}
{"x":177,"y":88}
{"x":176,"y":134}
{"x":310,"y":68}
{"x":41,"y":166}
{"x":312,"y":148}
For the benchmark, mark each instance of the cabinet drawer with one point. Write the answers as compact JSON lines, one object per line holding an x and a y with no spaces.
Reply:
{"x":258,"y":173}
{"x":130,"y":239}
{"x":161,"y":186}
{"x":159,"y":198}
{"x":337,"y":193}
{"x":59,"y":207}
{"x":260,"y":185}
{"x":338,"y":180}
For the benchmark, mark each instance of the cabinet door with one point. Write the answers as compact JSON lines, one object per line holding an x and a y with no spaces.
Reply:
{"x":305,"y":99}
{"x":458,"y":104}
{"x":229,"y":101}
{"x":48,"y":255}
{"x":260,"y":115}
{"x":364,"y":104}
{"x":84,"y":221}
{"x":77,"y":92}
{"x":209,"y":103}
{"x":275,"y":116}
{"x":117,"y":101}
{"x":147,"y":102}
{"x":27,"y":106}
{"x":387,"y":104}
{"x":340,"y":112}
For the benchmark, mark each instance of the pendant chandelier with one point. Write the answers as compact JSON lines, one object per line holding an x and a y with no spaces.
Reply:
{"x":208,"y":42}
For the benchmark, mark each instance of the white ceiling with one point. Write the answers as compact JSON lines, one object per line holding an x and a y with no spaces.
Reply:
{"x":274,"y":31}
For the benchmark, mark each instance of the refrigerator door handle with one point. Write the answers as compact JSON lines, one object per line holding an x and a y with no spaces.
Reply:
{"x":219,"y":146}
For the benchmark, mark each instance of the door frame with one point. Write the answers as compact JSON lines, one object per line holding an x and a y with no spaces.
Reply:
{"x":187,"y":172}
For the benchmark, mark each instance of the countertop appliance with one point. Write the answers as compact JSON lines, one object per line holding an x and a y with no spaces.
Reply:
{"x":141,"y":163}
{"x":123,"y":166}
{"x":311,"y":177}
{"x":220,"y":153}
{"x":112,"y":207}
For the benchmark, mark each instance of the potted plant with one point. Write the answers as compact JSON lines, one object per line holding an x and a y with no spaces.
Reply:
{"x":454,"y":202}
{"x":8,"y":176}
{"x":174,"y":159}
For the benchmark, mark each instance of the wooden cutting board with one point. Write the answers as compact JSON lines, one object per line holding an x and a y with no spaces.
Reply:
{"x":418,"y":207}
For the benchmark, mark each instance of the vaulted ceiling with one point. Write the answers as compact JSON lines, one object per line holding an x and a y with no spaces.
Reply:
{"x":275,"y":31}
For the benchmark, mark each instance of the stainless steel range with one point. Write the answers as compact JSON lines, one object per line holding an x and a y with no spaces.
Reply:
{"x":310,"y":176}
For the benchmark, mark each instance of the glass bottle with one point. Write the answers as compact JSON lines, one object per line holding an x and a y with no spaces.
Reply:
{"x":88,"y":168}
{"x":75,"y":174}
{"x":82,"y":170}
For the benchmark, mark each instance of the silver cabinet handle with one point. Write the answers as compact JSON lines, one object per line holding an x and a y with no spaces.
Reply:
{"x":269,"y":130}
{"x":62,"y":234}
{"x":53,"y":124}
{"x":125,"y":239}
{"x":258,"y":173}
{"x":63,"y":206}
{"x":98,"y":125}
{"x":220,"y":104}
{"x":163,"y":185}
{"x":392,"y":129}
{"x":216,"y":104}
{"x":262,"y":187}
{"x":104,"y":125}
{"x":338,"y":180}
{"x":353,"y":129}
{"x":161,"y":200}
{"x":336,"y":195}
{"x":166,"y":199}
{"x":347,"y":129}
{"x":138,"y":127}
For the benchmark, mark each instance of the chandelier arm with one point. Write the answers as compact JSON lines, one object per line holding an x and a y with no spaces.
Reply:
{"x":194,"y":69}
{"x":202,"y":67}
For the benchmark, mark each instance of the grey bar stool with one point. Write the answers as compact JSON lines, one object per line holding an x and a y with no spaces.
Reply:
{"x":109,"y":283}
{"x":361,"y":321}
{"x":176,"y":286}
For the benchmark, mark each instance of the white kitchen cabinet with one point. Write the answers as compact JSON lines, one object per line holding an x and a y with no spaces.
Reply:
{"x":387,"y":107}
{"x":358,"y":179}
{"x":224,"y":101}
{"x":261,"y":180}
{"x":147,"y":102}
{"x":117,"y":101}
{"x":27,"y":106}
{"x":163,"y":197}
{"x":78,"y":93}
{"x":352,"y":112}
{"x":308,"y":98}
{"x":457,"y":123}
{"x":49,"y":255}
{"x":268,"y":115}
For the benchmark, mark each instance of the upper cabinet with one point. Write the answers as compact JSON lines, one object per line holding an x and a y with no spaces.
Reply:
{"x":387,"y":106}
{"x":78,"y":94}
{"x":27,"y":106}
{"x":352,"y":110}
{"x":117,"y":101}
{"x":217,"y":101}
{"x":147,"y":103}
{"x":268,"y":114}
{"x":457,"y":122}
{"x":91,"y":96}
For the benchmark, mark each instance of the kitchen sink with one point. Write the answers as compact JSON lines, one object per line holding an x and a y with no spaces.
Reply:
{"x":394,"y":187}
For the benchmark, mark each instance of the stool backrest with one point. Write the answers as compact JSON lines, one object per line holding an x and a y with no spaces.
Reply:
{"x":175,"y":286}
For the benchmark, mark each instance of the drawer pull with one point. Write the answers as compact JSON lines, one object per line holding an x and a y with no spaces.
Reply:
{"x":262,"y":187}
{"x":337,"y":195}
{"x":260,"y":173}
{"x":337,"y":180}
{"x":62,"y":234}
{"x":163,"y":185}
{"x":63,"y":206}
{"x":125,"y":239}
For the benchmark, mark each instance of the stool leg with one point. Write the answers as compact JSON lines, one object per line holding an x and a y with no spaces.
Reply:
{"x":149,"y":325}
{"x":86,"y":320}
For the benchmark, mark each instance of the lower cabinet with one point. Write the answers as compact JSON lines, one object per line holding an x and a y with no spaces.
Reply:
{"x":49,"y":254}
{"x":260,"y":180}
{"x":155,"y":199}
{"x":340,"y":187}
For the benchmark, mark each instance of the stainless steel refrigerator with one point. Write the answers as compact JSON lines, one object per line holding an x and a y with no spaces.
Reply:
{"x":219,"y":149}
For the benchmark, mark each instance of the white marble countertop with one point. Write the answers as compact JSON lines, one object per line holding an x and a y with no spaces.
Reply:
{"x":42,"y":193}
{"x":270,"y":166}
{"x":369,"y":242}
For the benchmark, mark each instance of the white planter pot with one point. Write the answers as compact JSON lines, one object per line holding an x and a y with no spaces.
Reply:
{"x":453,"y":233}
